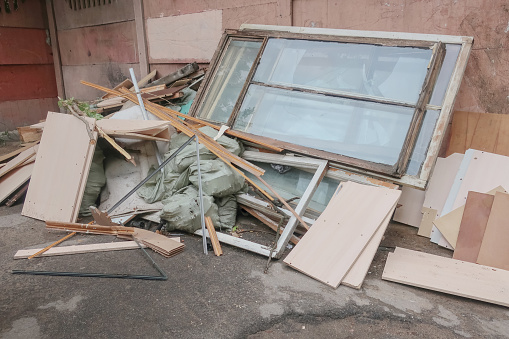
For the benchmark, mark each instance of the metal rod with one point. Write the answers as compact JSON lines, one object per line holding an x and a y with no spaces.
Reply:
{"x":173,"y":155}
{"x":163,"y":275}
{"x":200,"y":193}
{"x":143,"y":110}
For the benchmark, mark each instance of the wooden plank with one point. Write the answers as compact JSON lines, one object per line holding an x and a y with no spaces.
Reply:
{"x":355,"y":276}
{"x":472,"y":227}
{"x":329,"y":249}
{"x":18,"y":160}
{"x":45,"y":249}
{"x":111,"y":43}
{"x":145,"y":80}
{"x":213,"y":237}
{"x":136,"y":129}
{"x":114,"y":11}
{"x":411,"y":201}
{"x":21,"y":192}
{"x":139,"y":20}
{"x":29,"y":134}
{"x":14,"y":180}
{"x":57,"y":180}
{"x":494,"y":251}
{"x":79,"y":249}
{"x":23,"y":46}
{"x":127,"y":83}
{"x":57,"y":61}
{"x":428,"y":216}
{"x":184,"y":37}
{"x":20,"y":82}
{"x":447,"y":275}
{"x":16,"y":152}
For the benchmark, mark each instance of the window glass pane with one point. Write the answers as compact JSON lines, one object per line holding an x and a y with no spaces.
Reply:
{"x":451,"y":55}
{"x":363,"y":130}
{"x":423,"y":140}
{"x":228,"y":80}
{"x":294,"y":183}
{"x":390,"y":72}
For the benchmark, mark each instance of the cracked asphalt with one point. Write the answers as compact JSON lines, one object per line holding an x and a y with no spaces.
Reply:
{"x":218,"y":297}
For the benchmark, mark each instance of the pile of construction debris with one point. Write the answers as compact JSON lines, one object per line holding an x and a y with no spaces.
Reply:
{"x":152,"y":152}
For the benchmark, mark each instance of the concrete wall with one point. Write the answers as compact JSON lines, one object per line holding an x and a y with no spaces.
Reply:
{"x":27,"y":78}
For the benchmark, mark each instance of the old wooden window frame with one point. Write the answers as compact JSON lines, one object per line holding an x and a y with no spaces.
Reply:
{"x":320,"y":167}
{"x":396,"y":173}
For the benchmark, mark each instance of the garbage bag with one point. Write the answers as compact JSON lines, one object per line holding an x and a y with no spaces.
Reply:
{"x":95,"y":182}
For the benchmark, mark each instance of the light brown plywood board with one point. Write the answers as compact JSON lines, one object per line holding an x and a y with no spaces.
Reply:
{"x":61,"y":169}
{"x":447,"y":275}
{"x":329,"y":249}
{"x":355,"y":276}
{"x":449,"y":224}
{"x":14,"y":180}
{"x":494,"y":249}
{"x":136,"y":129}
{"x":473,"y":225}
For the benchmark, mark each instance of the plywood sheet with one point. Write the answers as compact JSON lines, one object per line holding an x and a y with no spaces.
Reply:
{"x":449,"y":224}
{"x":107,"y":74}
{"x":20,"y":46}
{"x":114,"y":11}
{"x":61,"y":168}
{"x":494,"y":250}
{"x":355,"y":276}
{"x":480,"y":131}
{"x":410,"y":211}
{"x":21,"y":82}
{"x":473,"y":224}
{"x":99,"y":44}
{"x":329,"y":249}
{"x":184,"y":37}
{"x":14,"y":180}
{"x":447,"y":275}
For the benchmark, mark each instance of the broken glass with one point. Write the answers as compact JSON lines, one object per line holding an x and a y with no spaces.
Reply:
{"x":229,"y":80}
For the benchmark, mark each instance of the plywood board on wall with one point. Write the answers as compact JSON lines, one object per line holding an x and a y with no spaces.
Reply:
{"x":32,"y":14}
{"x":21,"y":82}
{"x":108,"y":75}
{"x":61,"y":169}
{"x":163,"y":8}
{"x":116,"y":11}
{"x":264,"y":14}
{"x":24,"y":46}
{"x":184,"y":37}
{"x":25,"y":112}
{"x":115,"y":43}
{"x":480,"y":131}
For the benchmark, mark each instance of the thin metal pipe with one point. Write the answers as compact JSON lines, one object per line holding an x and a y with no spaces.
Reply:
{"x":143,"y":110}
{"x":200,"y":193}
{"x":174,"y":154}
{"x":163,"y":275}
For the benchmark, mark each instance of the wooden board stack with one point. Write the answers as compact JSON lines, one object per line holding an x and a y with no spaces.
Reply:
{"x":165,"y":246}
{"x":346,"y":236}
